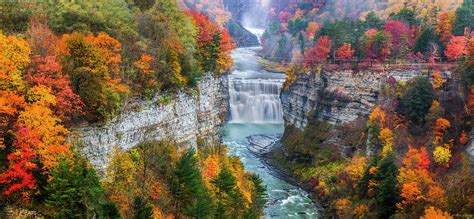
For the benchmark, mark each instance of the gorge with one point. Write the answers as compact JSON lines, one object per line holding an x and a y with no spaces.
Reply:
{"x":249,"y":96}
{"x":237,"y":109}
{"x":255,"y":109}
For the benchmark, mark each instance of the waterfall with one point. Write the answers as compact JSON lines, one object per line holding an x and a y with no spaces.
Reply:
{"x":255,"y":100}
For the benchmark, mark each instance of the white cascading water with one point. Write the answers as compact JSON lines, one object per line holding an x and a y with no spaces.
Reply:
{"x":256,"y":110}
{"x":255,"y":100}
{"x":254,"y":94}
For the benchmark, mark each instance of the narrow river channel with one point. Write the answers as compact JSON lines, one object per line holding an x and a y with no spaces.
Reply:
{"x":255,"y":108}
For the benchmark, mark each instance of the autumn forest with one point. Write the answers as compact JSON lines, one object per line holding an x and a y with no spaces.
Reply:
{"x":236,"y":108}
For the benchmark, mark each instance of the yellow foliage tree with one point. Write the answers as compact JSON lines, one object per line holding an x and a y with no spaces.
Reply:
{"x":120,"y":184}
{"x":386,"y":136}
{"x":40,"y":119}
{"x":442,"y":155}
{"x":355,"y":169}
{"x":377,"y":115}
{"x":14,"y":57}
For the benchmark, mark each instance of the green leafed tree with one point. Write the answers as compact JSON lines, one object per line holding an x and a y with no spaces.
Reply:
{"x":296,"y":25}
{"x":363,"y":185}
{"x":427,"y":42}
{"x":14,"y":16}
{"x":417,"y":99}
{"x":74,"y":191}
{"x":111,"y":16}
{"x":171,"y":39}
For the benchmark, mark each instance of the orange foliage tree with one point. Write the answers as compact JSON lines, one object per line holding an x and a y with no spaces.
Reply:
{"x":434,"y":213}
{"x":145,"y":75}
{"x":441,"y":126}
{"x":311,"y":30}
{"x":418,"y":188}
{"x":36,"y":133}
{"x":90,"y":62}
{"x":45,"y":70}
{"x":14,"y":57}
{"x":214,"y":43}
{"x":438,"y":80}
{"x":444,"y":26}
{"x":345,"y":52}
{"x":355,"y":170}
{"x":456,"y":48}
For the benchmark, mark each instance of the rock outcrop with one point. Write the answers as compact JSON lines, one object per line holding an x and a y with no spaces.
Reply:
{"x":183,"y":118}
{"x":337,"y":97}
{"x":242,"y":36}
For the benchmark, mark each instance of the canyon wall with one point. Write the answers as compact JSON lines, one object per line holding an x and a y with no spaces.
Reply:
{"x":342,"y":97}
{"x":183,"y":117}
{"x":337,"y":97}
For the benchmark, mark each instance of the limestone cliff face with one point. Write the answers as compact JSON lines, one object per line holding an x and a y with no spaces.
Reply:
{"x":184,"y":118}
{"x":337,"y":97}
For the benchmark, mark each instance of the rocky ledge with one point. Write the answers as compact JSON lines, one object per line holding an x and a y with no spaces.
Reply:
{"x":338,"y":97}
{"x":183,"y":118}
{"x":262,"y":144}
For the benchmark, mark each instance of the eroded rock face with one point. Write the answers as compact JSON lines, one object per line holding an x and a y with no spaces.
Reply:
{"x":337,"y":97}
{"x":242,"y":36}
{"x":185,"y":118}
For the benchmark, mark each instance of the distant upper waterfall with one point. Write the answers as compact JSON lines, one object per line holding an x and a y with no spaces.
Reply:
{"x":255,"y":100}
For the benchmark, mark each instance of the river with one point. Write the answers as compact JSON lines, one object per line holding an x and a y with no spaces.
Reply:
{"x":255,"y":108}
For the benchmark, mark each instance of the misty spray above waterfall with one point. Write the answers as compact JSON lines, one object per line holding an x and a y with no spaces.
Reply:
{"x":255,"y":100}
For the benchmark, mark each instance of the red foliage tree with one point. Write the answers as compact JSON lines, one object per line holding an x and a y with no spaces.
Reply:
{"x":376,"y":45}
{"x":456,"y":48}
{"x":319,"y":53}
{"x":18,"y":178}
{"x":284,"y":17}
{"x":45,"y":70}
{"x":400,"y":37}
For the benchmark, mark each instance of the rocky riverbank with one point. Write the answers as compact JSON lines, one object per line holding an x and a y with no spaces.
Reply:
{"x":267,"y":148}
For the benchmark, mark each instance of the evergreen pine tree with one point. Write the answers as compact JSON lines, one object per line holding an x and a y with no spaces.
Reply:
{"x":363,"y":185}
{"x":110,"y":211}
{"x":258,"y":198}
{"x":423,"y":43}
{"x":464,"y":18}
{"x":230,"y":199}
{"x":74,"y":191}
{"x":141,"y":209}
{"x":388,"y":194}
{"x":188,"y":187}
